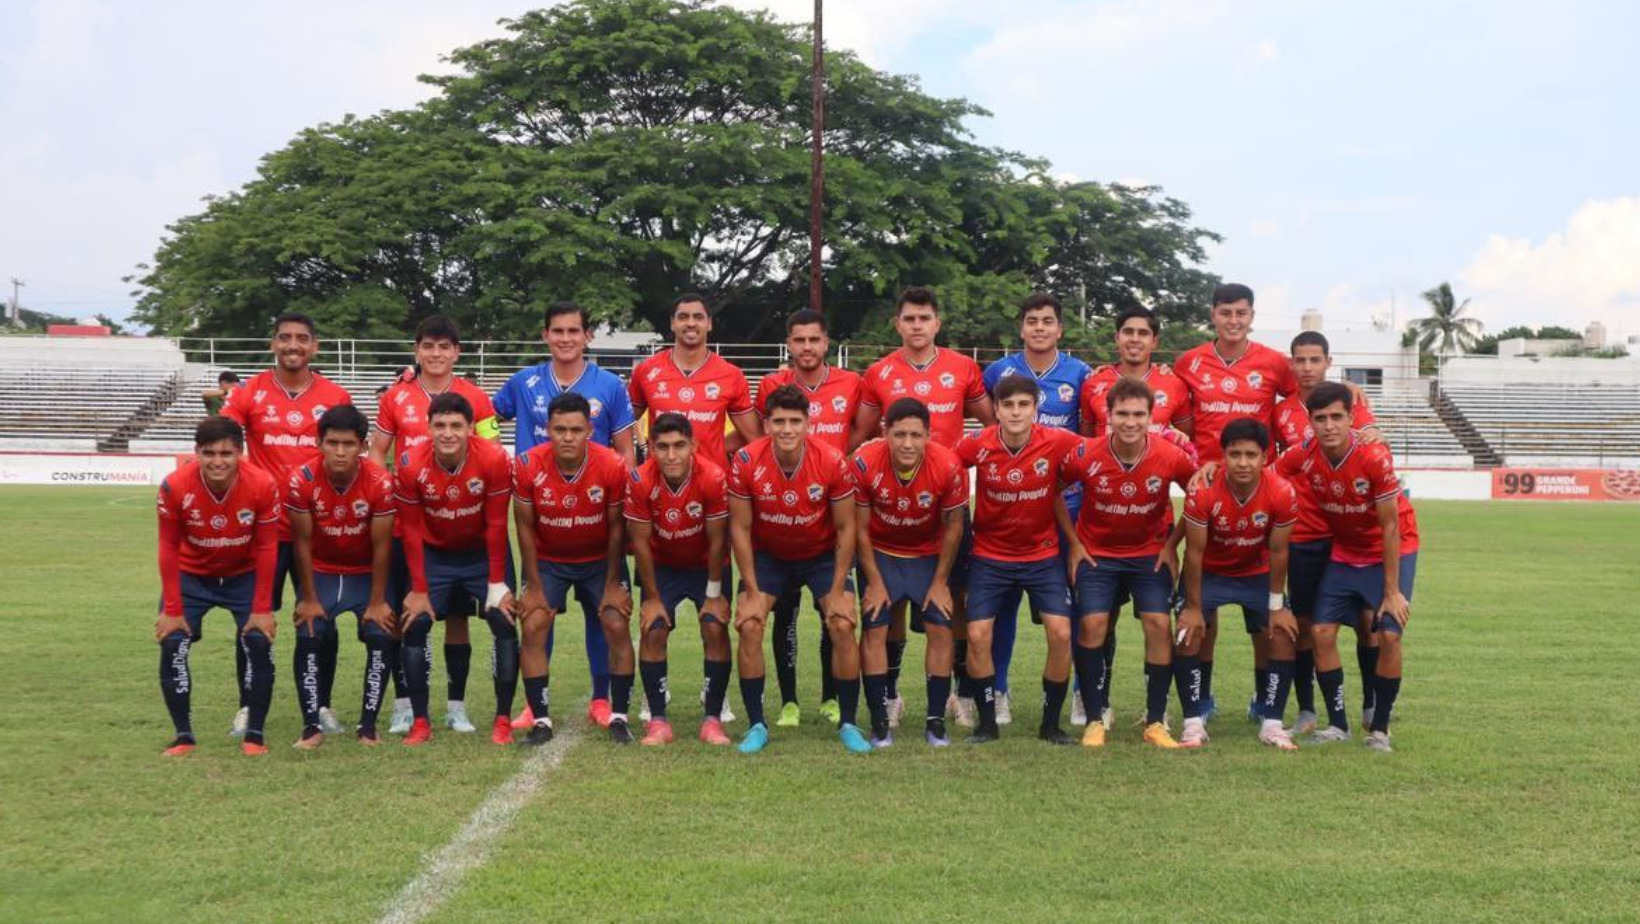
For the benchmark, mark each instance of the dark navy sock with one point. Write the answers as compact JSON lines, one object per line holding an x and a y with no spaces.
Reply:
{"x":458,"y":660}
{"x":717,"y":686}
{"x":305,"y":670}
{"x":985,"y":696}
{"x":620,"y":693}
{"x":1053,"y":701}
{"x":1158,"y":678}
{"x":258,"y":688}
{"x":1304,"y":680}
{"x":785,"y":647}
{"x":1110,"y":662}
{"x":1273,"y":704}
{"x":503,"y":660}
{"x":876,"y":698}
{"x":535,"y":694}
{"x":1187,"y":678}
{"x":848,"y":700}
{"x":828,"y":683}
{"x":1332,"y":694}
{"x":1388,"y":689}
{"x":939,"y":690}
{"x":896,"y":657}
{"x":959,"y":667}
{"x":401,"y":685}
{"x":1366,"y":658}
{"x":240,"y":665}
{"x":377,"y":671}
{"x":416,"y":665}
{"x":653,"y":674}
{"x":1090,"y":667}
{"x":1207,"y":679}
{"x":329,"y":644}
{"x":751,"y":693}
{"x":176,"y":682}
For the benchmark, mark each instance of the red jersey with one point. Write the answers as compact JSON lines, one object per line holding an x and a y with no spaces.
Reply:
{"x":831,"y":404}
{"x":401,"y":413}
{"x":341,"y":518}
{"x":906,"y":516}
{"x":678,"y":516}
{"x":1223,"y":391}
{"x":1015,"y":492}
{"x":1347,"y":493}
{"x":210,"y":536}
{"x":454,"y":511}
{"x":281,"y":429}
{"x":1293,"y":429}
{"x":1238,"y":531}
{"x":571,"y":511}
{"x":791,"y":512}
{"x":946,"y":384}
{"x":1126,"y":510}
{"x":707,"y":395}
{"x":1170,"y":407}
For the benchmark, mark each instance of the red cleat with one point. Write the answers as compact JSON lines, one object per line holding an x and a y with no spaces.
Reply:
{"x":252,"y":749}
{"x":598,"y":712}
{"x":711,"y":732}
{"x":421,"y":732}
{"x":178,"y":749}
{"x":525,"y":720}
{"x":501,"y":731}
{"x":657,"y":733}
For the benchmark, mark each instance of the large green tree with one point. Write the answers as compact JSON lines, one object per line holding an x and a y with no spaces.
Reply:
{"x":616,"y":152}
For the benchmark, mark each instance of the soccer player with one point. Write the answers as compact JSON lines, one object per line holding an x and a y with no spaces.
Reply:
{"x":1019,"y":508}
{"x":218,"y":539}
{"x":1059,"y":379}
{"x":452,"y":502}
{"x":1374,"y":555}
{"x":791,"y":523}
{"x":280,"y":410}
{"x":567,"y":498}
{"x":402,"y":425}
{"x":953,"y":389}
{"x":341,"y":515}
{"x":215,"y":398}
{"x":1124,"y":546}
{"x":834,"y":397}
{"x":691,"y":379}
{"x":1236,"y":543}
{"x":677,"y":506}
{"x":912,"y":497}
{"x":567,"y":332}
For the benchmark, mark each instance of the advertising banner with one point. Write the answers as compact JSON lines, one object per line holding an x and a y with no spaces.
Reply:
{"x":1582,"y":484}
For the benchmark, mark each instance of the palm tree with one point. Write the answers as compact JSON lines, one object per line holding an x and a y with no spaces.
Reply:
{"x":1446,"y":330}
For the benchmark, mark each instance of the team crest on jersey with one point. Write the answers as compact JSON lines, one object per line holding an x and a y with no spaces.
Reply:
{"x":1260,"y":519}
{"x":712,"y":391}
{"x":219,"y":522}
{"x":475,"y":486}
{"x":596,"y":405}
{"x":245,"y":517}
{"x":1255,"y":380}
{"x":925,"y":499}
{"x":1153,"y":484}
{"x":1160,"y":398}
{"x":1362,"y":487}
{"x":1067,"y":393}
{"x":686,"y":393}
{"x":1040,"y":467}
{"x":839,"y":404}
{"x":1229,"y":385}
{"x":694,"y":509}
{"x":947,"y":380}
{"x":922,"y":388}
{"x":1129,"y":489}
{"x":1015,"y":476}
{"x":789,"y":498}
{"x":816,"y":492}
{"x":452,"y":492}
{"x":595,"y":494}
{"x":361,"y":509}
{"x":672,"y":516}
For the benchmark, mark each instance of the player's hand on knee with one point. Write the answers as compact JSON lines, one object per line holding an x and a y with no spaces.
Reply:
{"x":1073,"y":562}
{"x":876,"y":597}
{"x":1396,"y":607}
{"x":939,"y":598}
{"x":166,"y":625}
{"x":534,"y":601}
{"x":307,"y":613}
{"x":260,"y":622}
{"x":717,"y":608}
{"x":1283,"y":622}
{"x":382,"y":615}
{"x":651,"y":615}
{"x":1192,"y":628}
{"x":619,"y":598}
{"x":415,"y":604}
{"x":839,"y":606}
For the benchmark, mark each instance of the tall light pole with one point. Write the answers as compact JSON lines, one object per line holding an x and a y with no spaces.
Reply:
{"x":817,"y":176}
{"x":16,"y":313}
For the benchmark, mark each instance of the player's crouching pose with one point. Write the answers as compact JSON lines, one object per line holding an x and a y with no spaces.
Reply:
{"x":341,"y":515}
{"x":567,"y":499}
{"x":452,"y":509}
{"x":1236,"y":542}
{"x":911,"y":495}
{"x":218,"y":538}
{"x":676,"y":510}
{"x":791,"y":500}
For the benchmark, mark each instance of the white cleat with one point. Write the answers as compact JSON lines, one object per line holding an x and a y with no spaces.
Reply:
{"x":1303,"y":725}
{"x":1194,"y":734}
{"x":1330,"y":734}
{"x":241,"y":721}
{"x":726,"y":716}
{"x":896,"y":709}
{"x":1107,"y":718}
{"x":1378,"y":741}
{"x":643,"y":712}
{"x":329,"y":724}
{"x":1005,"y":710}
{"x":964,"y":710}
{"x":1079,"y":715}
{"x":455,"y":716}
{"x":399,"y":724}
{"x":1275,"y":736}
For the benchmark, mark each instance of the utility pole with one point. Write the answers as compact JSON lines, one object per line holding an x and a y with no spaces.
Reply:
{"x":817,"y":180}
{"x":16,"y":313}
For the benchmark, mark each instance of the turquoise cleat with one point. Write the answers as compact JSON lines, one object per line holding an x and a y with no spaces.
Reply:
{"x":757,"y":738}
{"x":853,"y":739}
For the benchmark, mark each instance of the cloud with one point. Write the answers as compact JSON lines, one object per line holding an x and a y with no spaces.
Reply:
{"x":1263,"y":227}
{"x":1587,"y":271}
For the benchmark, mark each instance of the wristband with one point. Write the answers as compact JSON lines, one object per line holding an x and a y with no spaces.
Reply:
{"x":714,"y":590}
{"x":1277,"y":602}
{"x":497,"y":592}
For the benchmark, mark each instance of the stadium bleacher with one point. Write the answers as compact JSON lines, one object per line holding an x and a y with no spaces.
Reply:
{"x":1412,"y":428}
{"x":75,"y":394}
{"x":1554,"y":425}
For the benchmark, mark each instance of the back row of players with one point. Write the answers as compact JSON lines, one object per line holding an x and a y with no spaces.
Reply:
{"x":829,"y":476}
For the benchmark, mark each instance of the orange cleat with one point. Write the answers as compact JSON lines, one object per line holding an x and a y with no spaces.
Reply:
{"x":501,"y":731}
{"x":598,"y":712}
{"x":657,"y":733}
{"x":178,"y":749}
{"x":711,"y":732}
{"x":252,"y":749}
{"x":421,"y":732}
{"x":525,"y":720}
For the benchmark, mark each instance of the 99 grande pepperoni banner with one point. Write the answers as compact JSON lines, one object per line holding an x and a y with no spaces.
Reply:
{"x":1586,"y":484}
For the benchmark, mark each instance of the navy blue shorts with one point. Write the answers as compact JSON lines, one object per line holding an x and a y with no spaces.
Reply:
{"x":678,"y":585}
{"x":344,"y":593}
{"x":992,"y":584}
{"x":284,"y":572}
{"x":906,"y":579}
{"x":1101,"y":589}
{"x":775,"y":576}
{"x":1251,"y":593}
{"x":458,"y":582}
{"x":1306,"y":562}
{"x":587,"y":578}
{"x":1346,"y":590}
{"x":201,"y":594}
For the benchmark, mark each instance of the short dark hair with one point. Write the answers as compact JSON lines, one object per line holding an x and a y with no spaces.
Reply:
{"x":569,"y":403}
{"x":216,"y":429}
{"x":1012,"y":385}
{"x":1231,"y":292}
{"x":1040,"y":300}
{"x":906,"y":407}
{"x":1328,"y":393}
{"x":1245,"y":428}
{"x":1311,"y":338}
{"x":917,"y":295}
{"x":438,"y":327}
{"x":295,"y":317}
{"x":557,"y":308}
{"x":1138,"y":311}
{"x":449,"y":403}
{"x":687,"y":297}
{"x":1127,"y":389}
{"x":227,"y":375}
{"x":344,"y":417}
{"x":805,"y":316}
{"x":787,"y":398}
{"x":672,"y":422}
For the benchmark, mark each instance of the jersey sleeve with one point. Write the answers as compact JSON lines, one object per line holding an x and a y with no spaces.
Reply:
{"x":1196,"y":506}
{"x":840,"y":486}
{"x":265,"y":547}
{"x":637,"y":499}
{"x":975,"y":388}
{"x":715,"y":496}
{"x":1381,"y":473}
{"x":521,"y":476}
{"x":1181,"y":411}
{"x":295,"y":497}
{"x":967,"y":450}
{"x":615,"y":481}
{"x":993,"y":375}
{"x":761,"y":402}
{"x":618,"y":408}
{"x":1284,"y":502}
{"x":238,"y":407}
{"x":1361,"y":416}
{"x":635,"y":390}
{"x":404,"y":494}
{"x":485,"y":423}
{"x":505,"y":400}
{"x":382,"y":503}
{"x":740,"y":474}
{"x":1286,"y":378}
{"x":868,"y":391}
{"x":955,"y":494}
{"x":1087,"y":404}
{"x":1287,"y":465}
{"x":740,"y":394}
{"x":387,"y":413}
{"x":1183,"y":467}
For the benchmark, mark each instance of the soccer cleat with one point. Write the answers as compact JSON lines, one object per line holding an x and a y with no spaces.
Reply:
{"x":1157,"y":735}
{"x":967,"y":714}
{"x":501,"y":730}
{"x":896,"y":709}
{"x":328,"y":723}
{"x":1005,"y":709}
{"x":1254,"y":713}
{"x":711,"y":732}
{"x":1277,"y":737}
{"x":399,"y":722}
{"x":241,"y":721}
{"x":1378,"y":741}
{"x":1210,"y":708}
{"x":1303,"y":725}
{"x":791,"y":716}
{"x":934,"y":734}
{"x":1093,"y":736}
{"x":885,"y":740}
{"x":1194,"y":735}
{"x":727,"y":715}
{"x":1079,"y":714}
{"x":1366,"y":716}
{"x":854,"y":740}
{"x":832,"y":711}
{"x":525,"y":720}
{"x":540,"y":733}
{"x":310,"y":740}
{"x":1053,"y":734}
{"x":598,"y":712}
{"x":181,"y":747}
{"x":455,"y":717}
{"x":984,"y":734}
{"x":619,"y":731}
{"x":421,"y":732}
{"x":756,"y":739}
{"x":252,"y":748}
{"x":369,"y":738}
{"x":658,"y":732}
{"x":644,"y":715}
{"x":1330,"y":734}
{"x":1107,"y":718}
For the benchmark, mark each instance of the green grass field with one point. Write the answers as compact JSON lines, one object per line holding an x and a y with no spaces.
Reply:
{"x":1512,"y":795}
